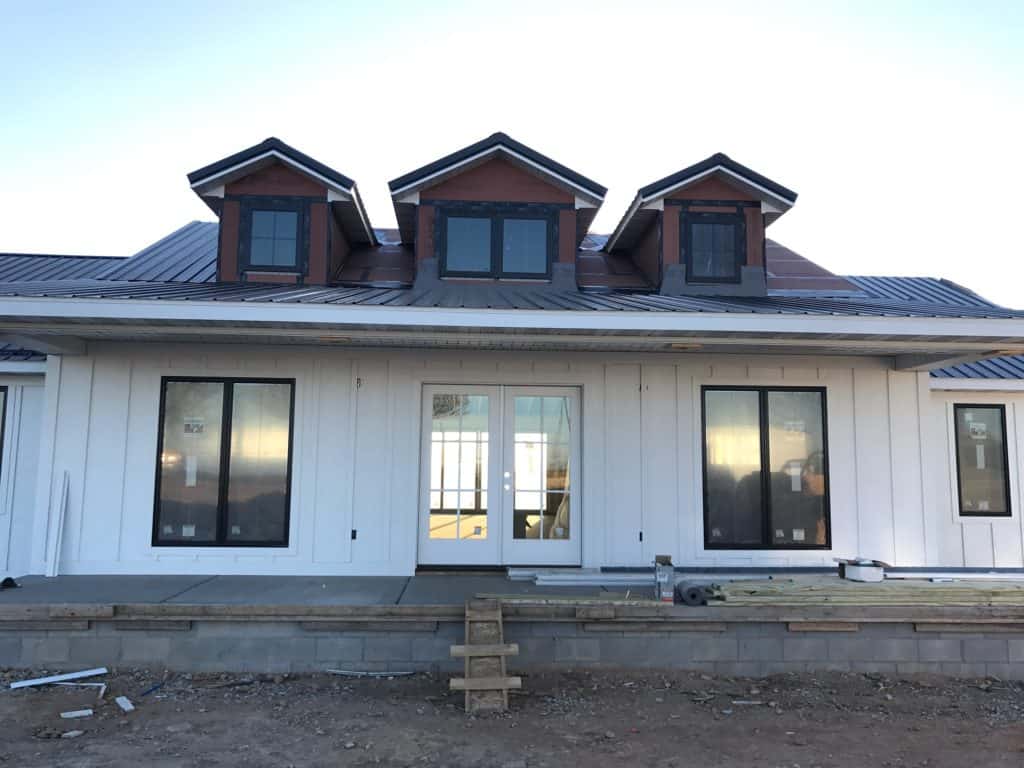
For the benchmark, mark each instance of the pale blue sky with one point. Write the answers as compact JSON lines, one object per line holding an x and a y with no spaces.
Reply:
{"x":901,"y":125}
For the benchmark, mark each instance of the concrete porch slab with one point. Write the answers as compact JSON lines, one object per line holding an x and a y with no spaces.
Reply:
{"x":98,"y":589}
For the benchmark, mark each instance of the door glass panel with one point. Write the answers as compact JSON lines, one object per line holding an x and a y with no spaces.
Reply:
{"x":540,"y":440}
{"x":458,"y":466}
{"x":190,"y":462}
{"x":258,"y":472}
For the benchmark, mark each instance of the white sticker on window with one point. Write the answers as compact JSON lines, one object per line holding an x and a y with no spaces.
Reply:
{"x":236,"y":530}
{"x":798,"y":534}
{"x":188,"y":531}
{"x":191,"y":471}
{"x":794,"y":478}
{"x":979,"y":455}
{"x":779,"y":533}
{"x":977,"y":429}
{"x":983,"y":505}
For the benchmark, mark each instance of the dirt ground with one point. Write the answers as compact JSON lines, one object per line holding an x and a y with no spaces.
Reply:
{"x":598,"y":719}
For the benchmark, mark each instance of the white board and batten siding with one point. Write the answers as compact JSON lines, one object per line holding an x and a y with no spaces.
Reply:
{"x":356,"y":457}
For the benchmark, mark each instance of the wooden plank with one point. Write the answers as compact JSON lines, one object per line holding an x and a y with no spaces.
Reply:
{"x":168,"y":625}
{"x":485,"y":649}
{"x":291,"y":612}
{"x":593,"y":612}
{"x":923,"y":627}
{"x":485,"y":683}
{"x":472,"y":615}
{"x":656,"y":626}
{"x":823,"y":626}
{"x":59,"y":625}
{"x":81,"y":611}
{"x":385,"y":625}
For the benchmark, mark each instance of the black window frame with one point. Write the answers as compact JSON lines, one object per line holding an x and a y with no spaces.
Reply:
{"x":225,"y":463}
{"x":1001,"y":407}
{"x":766,"y":500}
{"x":496,"y":213}
{"x":686,"y":221}
{"x":250,"y":203}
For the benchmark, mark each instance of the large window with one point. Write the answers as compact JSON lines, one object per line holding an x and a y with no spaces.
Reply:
{"x":983,"y":482}
{"x":224,"y":462}
{"x":273,"y":234}
{"x":713,"y":247}
{"x":496,"y":241}
{"x":765,"y":468}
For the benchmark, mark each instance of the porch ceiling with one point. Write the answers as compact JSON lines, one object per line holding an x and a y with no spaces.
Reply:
{"x":916,"y":351}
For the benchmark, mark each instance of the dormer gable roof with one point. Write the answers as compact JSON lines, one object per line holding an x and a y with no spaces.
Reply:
{"x":775,"y":198}
{"x":495,"y":144}
{"x":209,"y":181}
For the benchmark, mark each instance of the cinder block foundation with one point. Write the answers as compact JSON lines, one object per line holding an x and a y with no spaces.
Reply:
{"x":729,"y":648}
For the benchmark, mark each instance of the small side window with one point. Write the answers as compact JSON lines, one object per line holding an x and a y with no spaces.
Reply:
{"x":713,"y":247}
{"x":273,"y":234}
{"x":983,"y":480}
{"x":274,"y":238}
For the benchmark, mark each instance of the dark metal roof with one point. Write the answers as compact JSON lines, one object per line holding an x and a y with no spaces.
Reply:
{"x":498,"y":296}
{"x":495,"y":141}
{"x":945,"y":292}
{"x":267,"y":145}
{"x":187,"y":255}
{"x":707,"y":164}
{"x":19,"y":267}
{"x":12,"y":353}
{"x":994,"y":368}
{"x":927,"y":289}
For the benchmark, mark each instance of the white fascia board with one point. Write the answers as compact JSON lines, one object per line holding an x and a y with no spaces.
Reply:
{"x":787,"y":204}
{"x":47,"y":310}
{"x":23,"y":367}
{"x":633,"y":208}
{"x":976,"y":385}
{"x":277,"y":155}
{"x":425,"y":181}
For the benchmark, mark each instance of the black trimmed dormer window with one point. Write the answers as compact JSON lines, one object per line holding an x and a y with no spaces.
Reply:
{"x":713,"y":247}
{"x":496,"y":240}
{"x":273,"y":234}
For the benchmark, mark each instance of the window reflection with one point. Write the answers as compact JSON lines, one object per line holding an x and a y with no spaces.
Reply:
{"x":765,"y":481}
{"x":458,"y":466}
{"x":541,"y":433}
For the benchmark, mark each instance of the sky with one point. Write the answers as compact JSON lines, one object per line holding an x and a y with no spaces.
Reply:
{"x":900,"y":124}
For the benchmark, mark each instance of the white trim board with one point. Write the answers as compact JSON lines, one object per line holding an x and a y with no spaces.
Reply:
{"x":49,"y":309}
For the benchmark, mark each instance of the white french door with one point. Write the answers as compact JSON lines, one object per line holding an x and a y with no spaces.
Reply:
{"x":500,"y":476}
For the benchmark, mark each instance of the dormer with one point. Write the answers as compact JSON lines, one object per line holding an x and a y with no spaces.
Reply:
{"x":701,"y":231}
{"x":284,"y":217}
{"x":495,"y":211}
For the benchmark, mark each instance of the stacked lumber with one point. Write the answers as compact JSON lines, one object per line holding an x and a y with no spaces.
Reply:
{"x":798,"y":592}
{"x":486,"y":682}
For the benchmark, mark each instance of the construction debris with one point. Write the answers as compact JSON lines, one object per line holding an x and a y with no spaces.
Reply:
{"x":76,"y":713}
{"x":101,"y":688}
{"x":71,"y":734}
{"x":358,"y":673}
{"x":125,"y":704}
{"x":59,"y":678}
{"x":806,"y":592}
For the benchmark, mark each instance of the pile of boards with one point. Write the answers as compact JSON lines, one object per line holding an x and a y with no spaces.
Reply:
{"x":834,"y":591}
